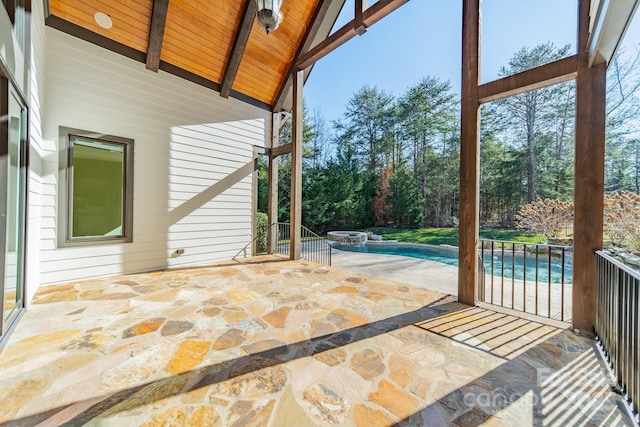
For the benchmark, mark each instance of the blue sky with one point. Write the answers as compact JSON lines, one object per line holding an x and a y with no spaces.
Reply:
{"x":423,"y":38}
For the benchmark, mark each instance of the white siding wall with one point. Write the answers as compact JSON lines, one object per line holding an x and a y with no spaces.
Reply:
{"x":193,"y":161}
{"x":36,"y":149}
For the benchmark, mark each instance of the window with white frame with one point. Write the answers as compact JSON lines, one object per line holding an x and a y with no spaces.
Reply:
{"x":96,"y":193}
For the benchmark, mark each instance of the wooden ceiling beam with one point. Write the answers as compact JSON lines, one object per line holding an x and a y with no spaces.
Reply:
{"x":156,"y":33}
{"x":330,"y":44}
{"x":239,"y":45}
{"x":312,"y":31}
{"x":281,"y":149}
{"x":546,"y":75}
{"x":369,"y":17}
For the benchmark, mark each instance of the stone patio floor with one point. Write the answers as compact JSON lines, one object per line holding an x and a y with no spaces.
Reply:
{"x":269,"y":342}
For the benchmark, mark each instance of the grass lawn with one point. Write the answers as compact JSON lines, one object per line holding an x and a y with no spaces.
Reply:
{"x":449,"y":236}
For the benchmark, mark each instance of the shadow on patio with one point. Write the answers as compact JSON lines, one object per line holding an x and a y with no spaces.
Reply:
{"x":289,"y":343}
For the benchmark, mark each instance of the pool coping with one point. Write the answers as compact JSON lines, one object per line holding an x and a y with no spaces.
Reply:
{"x":445,"y":247}
{"x":442,"y":247}
{"x":448,"y":248}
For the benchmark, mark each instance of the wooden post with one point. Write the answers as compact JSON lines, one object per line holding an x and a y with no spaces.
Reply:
{"x":469,"y":154}
{"x":273,"y":185}
{"x":254,"y":202}
{"x":296,"y":166}
{"x":358,"y":21}
{"x":589,"y":178}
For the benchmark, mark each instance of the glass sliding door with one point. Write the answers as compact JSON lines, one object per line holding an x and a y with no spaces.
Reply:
{"x":12,"y":201}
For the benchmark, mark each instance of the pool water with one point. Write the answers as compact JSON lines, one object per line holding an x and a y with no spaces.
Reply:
{"x":451,"y":258}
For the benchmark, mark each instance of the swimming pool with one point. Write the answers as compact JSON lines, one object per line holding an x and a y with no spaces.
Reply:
{"x":450,"y":257}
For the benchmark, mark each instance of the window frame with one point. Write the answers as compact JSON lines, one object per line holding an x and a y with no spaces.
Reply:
{"x":20,"y":21}
{"x":9,"y":89}
{"x":65,"y":189}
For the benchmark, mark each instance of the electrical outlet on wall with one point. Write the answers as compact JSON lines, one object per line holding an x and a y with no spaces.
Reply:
{"x":177,"y":253}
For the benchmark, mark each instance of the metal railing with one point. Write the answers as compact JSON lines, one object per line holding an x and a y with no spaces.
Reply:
{"x":532,"y":278}
{"x":257,"y":245}
{"x":312,"y":247}
{"x":617,"y":318}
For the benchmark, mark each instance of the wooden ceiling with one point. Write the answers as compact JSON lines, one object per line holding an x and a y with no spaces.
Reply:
{"x":217,"y":43}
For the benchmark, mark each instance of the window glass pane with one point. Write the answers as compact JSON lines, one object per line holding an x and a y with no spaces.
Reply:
{"x":16,"y":9}
{"x":98,"y":192}
{"x":14,"y":225}
{"x":19,"y":24}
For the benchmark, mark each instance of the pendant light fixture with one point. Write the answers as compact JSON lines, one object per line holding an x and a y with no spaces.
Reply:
{"x":269,"y":15}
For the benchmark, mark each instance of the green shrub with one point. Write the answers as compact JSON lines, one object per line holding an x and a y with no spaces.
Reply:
{"x":262,"y":231}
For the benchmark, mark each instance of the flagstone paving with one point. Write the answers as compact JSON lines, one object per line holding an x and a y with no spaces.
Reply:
{"x":280,"y":343}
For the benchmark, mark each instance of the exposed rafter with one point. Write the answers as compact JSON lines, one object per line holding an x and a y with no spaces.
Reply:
{"x":545,"y":75}
{"x":156,"y":33}
{"x":312,"y":31}
{"x":369,"y":17}
{"x":239,"y":44}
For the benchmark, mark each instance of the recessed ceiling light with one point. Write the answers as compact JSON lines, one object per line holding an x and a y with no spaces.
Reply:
{"x":103,"y":20}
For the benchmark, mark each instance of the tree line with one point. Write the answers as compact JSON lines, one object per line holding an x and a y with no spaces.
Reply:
{"x":395,"y":160}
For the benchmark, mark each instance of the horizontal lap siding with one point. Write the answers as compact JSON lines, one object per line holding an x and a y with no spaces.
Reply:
{"x":37,"y":185}
{"x":193,"y":161}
